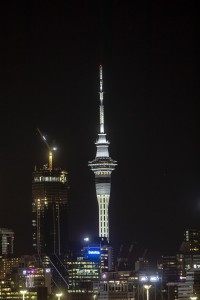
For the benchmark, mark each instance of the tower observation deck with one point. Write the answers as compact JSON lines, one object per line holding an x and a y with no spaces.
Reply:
{"x":102,"y":166}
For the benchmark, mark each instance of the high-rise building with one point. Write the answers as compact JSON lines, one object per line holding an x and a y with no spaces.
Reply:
{"x":7,"y":264}
{"x":102,"y":166}
{"x":83,"y":275}
{"x":169,"y":269}
{"x":192,"y":238}
{"x":105,"y":250}
{"x":6,"y":241}
{"x":191,"y":286}
{"x":189,"y":252}
{"x":49,"y":205}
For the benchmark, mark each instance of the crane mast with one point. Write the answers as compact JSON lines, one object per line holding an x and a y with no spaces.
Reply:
{"x":49,"y":148}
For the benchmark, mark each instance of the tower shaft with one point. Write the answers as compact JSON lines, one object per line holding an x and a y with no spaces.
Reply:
{"x":103,"y":202}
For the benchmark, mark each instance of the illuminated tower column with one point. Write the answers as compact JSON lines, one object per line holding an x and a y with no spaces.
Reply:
{"x":102,"y":166}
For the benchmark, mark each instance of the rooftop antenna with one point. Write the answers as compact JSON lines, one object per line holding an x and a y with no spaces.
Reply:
{"x":101,"y":99}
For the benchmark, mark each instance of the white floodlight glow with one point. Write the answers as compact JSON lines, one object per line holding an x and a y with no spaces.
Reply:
{"x":143,"y":278}
{"x":48,"y":270}
{"x":54,"y":148}
{"x":86,"y":239}
{"x":196,"y":266}
{"x":154,"y":278}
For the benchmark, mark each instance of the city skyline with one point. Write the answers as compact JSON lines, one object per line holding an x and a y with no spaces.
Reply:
{"x":50,"y":58}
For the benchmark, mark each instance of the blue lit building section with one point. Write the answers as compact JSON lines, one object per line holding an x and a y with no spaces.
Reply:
{"x":93,"y":253}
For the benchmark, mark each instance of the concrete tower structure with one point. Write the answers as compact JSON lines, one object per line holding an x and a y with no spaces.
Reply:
{"x":102,"y":166}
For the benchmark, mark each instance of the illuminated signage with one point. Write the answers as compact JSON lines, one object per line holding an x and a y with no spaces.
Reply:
{"x":93,"y":253}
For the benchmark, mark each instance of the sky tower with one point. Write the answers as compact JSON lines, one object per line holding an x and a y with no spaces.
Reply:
{"x":102,"y":166}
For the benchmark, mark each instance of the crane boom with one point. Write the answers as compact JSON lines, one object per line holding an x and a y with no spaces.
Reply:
{"x":43,"y":137}
{"x":50,"y":151}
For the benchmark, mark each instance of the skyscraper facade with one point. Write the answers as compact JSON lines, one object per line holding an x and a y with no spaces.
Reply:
{"x":102,"y":166}
{"x":192,"y":238}
{"x":49,"y":206}
{"x":6,"y":241}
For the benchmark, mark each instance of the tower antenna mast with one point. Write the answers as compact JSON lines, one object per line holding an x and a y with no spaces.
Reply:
{"x":101,"y":100}
{"x":49,"y":148}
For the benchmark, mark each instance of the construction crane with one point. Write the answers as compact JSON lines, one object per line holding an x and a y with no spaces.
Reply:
{"x":49,"y":148}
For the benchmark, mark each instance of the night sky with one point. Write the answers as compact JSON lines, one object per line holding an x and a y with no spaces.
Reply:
{"x":49,"y":57}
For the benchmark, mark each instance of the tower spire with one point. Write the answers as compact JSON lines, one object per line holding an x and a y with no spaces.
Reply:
{"x":101,"y":108}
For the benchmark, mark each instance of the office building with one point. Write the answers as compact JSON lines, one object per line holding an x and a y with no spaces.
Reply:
{"x":192,"y":238}
{"x":83,"y":273}
{"x":49,"y":200}
{"x":190,"y":287}
{"x":6,"y":241}
{"x":116,"y":289}
{"x":34,"y":278}
{"x":7,"y":265}
{"x":105,"y":252}
{"x":189,"y":252}
{"x":169,"y":269}
{"x":172,"y":291}
{"x":85,"y":267}
{"x":129,"y":285}
{"x":9,"y":293}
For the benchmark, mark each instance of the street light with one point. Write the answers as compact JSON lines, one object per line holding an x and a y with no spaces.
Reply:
{"x":147,"y":287}
{"x":59,"y":295}
{"x":23,"y":292}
